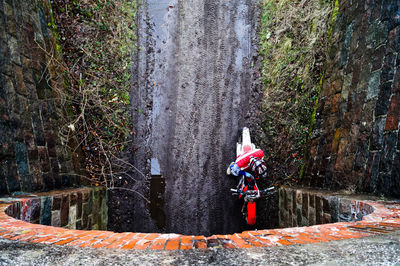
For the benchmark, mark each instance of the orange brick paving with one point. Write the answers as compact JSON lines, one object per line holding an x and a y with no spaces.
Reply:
{"x":384,"y":219}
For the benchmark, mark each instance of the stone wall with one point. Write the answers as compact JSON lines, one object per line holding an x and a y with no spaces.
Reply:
{"x":305,"y":207}
{"x":83,"y":208}
{"x":32,"y":154}
{"x":355,"y":140}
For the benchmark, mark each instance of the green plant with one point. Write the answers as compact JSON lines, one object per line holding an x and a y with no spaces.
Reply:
{"x":97,"y":39}
{"x":294,"y":39}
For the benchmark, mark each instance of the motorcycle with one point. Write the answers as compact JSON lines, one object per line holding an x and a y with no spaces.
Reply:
{"x":247,"y":187}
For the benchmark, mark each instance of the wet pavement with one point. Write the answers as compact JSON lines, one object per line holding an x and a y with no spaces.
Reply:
{"x":375,"y":250}
{"x":192,"y":90}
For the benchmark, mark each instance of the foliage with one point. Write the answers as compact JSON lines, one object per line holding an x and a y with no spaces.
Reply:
{"x":294,"y":40}
{"x":97,"y":39}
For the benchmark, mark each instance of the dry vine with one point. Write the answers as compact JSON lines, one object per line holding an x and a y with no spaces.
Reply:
{"x":95,"y":44}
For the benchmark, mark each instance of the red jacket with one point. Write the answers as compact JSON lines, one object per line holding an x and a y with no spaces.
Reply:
{"x":243,"y":160}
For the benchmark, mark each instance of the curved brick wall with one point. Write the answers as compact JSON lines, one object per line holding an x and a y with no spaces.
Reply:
{"x":83,"y":208}
{"x":305,"y":207}
{"x":355,"y":140}
{"x":385,"y":218}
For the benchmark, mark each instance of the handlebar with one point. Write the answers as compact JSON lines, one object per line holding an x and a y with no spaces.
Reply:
{"x":265,"y":192}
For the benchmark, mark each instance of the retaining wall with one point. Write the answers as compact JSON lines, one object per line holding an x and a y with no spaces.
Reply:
{"x":305,"y":207}
{"x":83,"y":208}
{"x":371,"y":218}
{"x":33,"y":153}
{"x":355,"y":142}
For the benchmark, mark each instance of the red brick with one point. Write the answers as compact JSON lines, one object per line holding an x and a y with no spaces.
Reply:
{"x":122,"y":241}
{"x":241,"y":243}
{"x":130,"y":244}
{"x":284,"y":242}
{"x":172,"y":244}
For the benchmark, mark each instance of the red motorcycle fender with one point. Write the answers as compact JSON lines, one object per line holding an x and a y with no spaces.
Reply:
{"x":251,"y":213}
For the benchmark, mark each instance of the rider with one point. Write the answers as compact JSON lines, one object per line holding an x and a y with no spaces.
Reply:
{"x":249,"y":164}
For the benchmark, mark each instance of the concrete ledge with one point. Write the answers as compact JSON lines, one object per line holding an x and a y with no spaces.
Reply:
{"x":384,"y":219}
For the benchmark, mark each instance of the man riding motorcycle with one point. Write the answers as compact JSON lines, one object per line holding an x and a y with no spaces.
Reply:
{"x":251,"y":166}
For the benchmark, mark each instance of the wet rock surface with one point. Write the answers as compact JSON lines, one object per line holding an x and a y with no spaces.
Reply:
{"x":192,"y":93}
{"x":379,"y":250}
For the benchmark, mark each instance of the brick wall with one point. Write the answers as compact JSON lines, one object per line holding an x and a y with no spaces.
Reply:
{"x":355,"y":140}
{"x":83,"y":208}
{"x":32,"y":155}
{"x":305,"y":207}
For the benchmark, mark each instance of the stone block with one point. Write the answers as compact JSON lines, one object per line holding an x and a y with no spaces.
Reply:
{"x":383,"y":184}
{"x":85,"y":195}
{"x":28,"y":40}
{"x":393,"y":114}
{"x":20,"y":86}
{"x":9,"y":168}
{"x":55,"y":218}
{"x":294,"y":203}
{"x":44,"y":160}
{"x":27,"y":71}
{"x":377,"y":34}
{"x":85,"y":216}
{"x":305,"y":203}
{"x":389,"y":149}
{"x":15,"y":51}
{"x":299,"y":220}
{"x":396,"y":81}
{"x":72,"y":217}
{"x":376,"y":139}
{"x":311,"y":216}
{"x":21,"y":158}
{"x":318,"y":210}
{"x":373,"y":85}
{"x":56,"y":202}
{"x":395,"y":178}
{"x":48,"y":181}
{"x":3,"y":185}
{"x":34,"y":210}
{"x":51,"y":144}
{"x":334,"y":208}
{"x":389,"y":67}
{"x":326,"y":205}
{"x":383,"y":101}
{"x":78,"y":225}
{"x":326,"y":219}
{"x":64,"y":213}
{"x":335,"y":103}
{"x":312,"y":200}
{"x":361,"y":156}
{"x":377,"y":58}
{"x":73,"y":198}
{"x":393,"y":41}
{"x":79,"y":205}
{"x":345,"y":210}
{"x":45,"y":217}
{"x":372,"y":172}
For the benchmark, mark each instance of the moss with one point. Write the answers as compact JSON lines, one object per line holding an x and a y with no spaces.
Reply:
{"x":334,"y":14}
{"x":293,"y":45}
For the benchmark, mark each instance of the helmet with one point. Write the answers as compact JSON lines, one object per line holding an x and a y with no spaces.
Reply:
{"x":258,"y":167}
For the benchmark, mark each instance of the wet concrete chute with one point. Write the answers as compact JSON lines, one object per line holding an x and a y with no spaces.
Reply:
{"x":190,"y":96}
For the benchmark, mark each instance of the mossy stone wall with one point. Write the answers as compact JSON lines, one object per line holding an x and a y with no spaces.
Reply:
{"x":33,"y":156}
{"x":355,"y":142}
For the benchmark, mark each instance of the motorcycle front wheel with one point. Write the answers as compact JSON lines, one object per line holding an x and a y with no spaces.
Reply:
{"x":251,"y":213}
